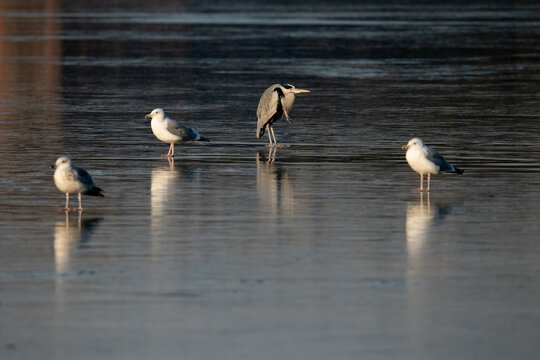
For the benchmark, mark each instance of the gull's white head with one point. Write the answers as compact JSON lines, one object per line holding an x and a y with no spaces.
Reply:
{"x":156,"y":113}
{"x":62,"y":161}
{"x":294,"y":90}
{"x":414,"y":142}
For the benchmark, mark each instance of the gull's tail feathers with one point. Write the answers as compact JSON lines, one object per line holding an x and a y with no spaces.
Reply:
{"x":95,"y":191}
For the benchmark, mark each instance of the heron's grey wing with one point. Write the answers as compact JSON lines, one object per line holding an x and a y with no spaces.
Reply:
{"x":267,"y":103}
{"x":175,"y":128}
{"x":83,"y":176}
{"x":269,"y":107}
{"x":434,"y":156}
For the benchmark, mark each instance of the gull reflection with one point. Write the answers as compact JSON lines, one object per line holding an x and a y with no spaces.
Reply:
{"x":274,"y":184}
{"x":421,"y":232}
{"x":167,"y":193}
{"x":421,"y":219}
{"x":161,"y":188}
{"x":70,"y":235}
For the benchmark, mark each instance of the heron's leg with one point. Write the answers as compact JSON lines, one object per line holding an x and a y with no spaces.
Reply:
{"x":269,"y":137}
{"x":80,"y":202}
{"x":428,"y":181}
{"x":273,"y":135}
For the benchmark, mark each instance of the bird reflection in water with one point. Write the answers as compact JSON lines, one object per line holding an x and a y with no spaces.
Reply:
{"x":274,"y":184}
{"x":422,"y":233}
{"x":71,"y":235}
{"x":168,"y":193}
{"x":421,"y":218}
{"x":162,"y":178}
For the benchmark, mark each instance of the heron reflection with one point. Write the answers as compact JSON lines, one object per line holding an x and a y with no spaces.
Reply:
{"x":69,"y":236}
{"x":274,"y":184}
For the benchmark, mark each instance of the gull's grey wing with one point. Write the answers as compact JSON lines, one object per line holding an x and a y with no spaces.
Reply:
{"x":79,"y":174}
{"x":193,"y":134}
{"x":434,"y":156}
{"x":186,"y":133}
{"x":174,"y":127}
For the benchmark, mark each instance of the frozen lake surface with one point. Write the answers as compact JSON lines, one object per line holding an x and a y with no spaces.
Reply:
{"x":322,"y":253}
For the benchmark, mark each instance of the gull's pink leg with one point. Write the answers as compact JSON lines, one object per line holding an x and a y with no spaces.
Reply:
{"x":421,"y":184}
{"x":80,"y":202}
{"x":171,"y":148}
{"x":428,"y":181}
{"x":66,"y":208}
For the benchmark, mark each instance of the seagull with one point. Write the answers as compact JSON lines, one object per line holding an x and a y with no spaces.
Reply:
{"x":74,"y":180}
{"x":425,"y":160}
{"x":171,"y":131}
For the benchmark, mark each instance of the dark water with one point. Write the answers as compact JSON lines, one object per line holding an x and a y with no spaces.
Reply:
{"x":322,"y":253}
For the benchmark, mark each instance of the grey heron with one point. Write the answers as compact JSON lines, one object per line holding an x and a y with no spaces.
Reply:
{"x":171,"y":131}
{"x":71,"y":179}
{"x":275,"y":102}
{"x":425,"y":160}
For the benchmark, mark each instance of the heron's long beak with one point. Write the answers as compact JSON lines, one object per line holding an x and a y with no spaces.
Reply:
{"x":297,"y":91}
{"x":405,"y":147}
{"x":148,"y":116}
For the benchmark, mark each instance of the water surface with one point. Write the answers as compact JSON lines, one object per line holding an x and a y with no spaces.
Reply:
{"x":317,"y":250}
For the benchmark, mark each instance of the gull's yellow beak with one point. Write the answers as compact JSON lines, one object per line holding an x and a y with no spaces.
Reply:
{"x":405,"y":147}
{"x":148,"y":116}
{"x":297,"y":91}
